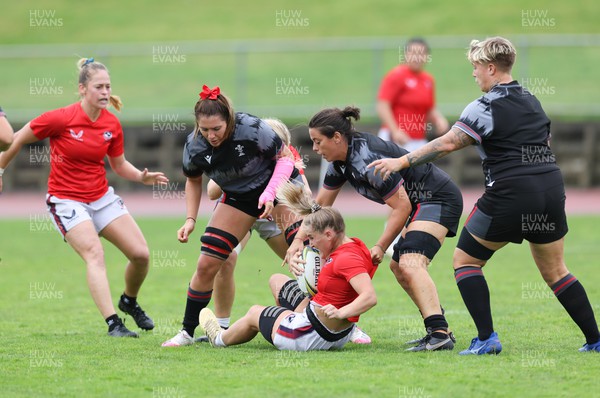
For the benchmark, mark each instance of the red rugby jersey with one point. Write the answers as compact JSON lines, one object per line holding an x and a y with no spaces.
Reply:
{"x":347,"y":261}
{"x":77,"y":150}
{"x":411,"y":96}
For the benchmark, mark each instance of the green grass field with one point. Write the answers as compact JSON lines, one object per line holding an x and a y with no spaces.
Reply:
{"x":164,"y":77}
{"x":53,"y":341}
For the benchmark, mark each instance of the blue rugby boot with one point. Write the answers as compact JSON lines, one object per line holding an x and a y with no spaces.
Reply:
{"x":478,"y":347}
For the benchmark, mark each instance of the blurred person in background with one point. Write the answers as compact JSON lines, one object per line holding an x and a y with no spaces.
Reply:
{"x":406,"y":99}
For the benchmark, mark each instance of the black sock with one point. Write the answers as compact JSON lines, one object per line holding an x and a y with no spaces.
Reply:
{"x":476,"y":295}
{"x":573,"y":298}
{"x":436,"y":322}
{"x":195,"y":302}
{"x":128,"y":300}
{"x":113,"y":321}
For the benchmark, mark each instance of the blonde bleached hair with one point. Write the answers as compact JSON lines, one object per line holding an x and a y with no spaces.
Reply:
{"x":496,"y":50}
{"x":86,"y":67}
{"x":280,"y":129}
{"x":316,"y":218}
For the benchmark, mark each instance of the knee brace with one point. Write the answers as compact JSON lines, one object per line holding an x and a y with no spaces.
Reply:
{"x":419,"y":242}
{"x":217,"y":243}
{"x":469,"y":245}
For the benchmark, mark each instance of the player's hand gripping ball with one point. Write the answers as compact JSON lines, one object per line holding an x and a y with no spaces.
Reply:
{"x":312,"y":268}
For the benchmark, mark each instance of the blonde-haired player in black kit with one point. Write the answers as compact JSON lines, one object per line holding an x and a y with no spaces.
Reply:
{"x":523,"y":182}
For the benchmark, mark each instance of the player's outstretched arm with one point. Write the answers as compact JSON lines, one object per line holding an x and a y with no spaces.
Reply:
{"x":21,"y":137}
{"x":6,"y":132}
{"x":126,"y":170}
{"x":453,"y":140}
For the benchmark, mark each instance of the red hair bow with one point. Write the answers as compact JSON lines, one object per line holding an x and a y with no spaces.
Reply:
{"x":210,"y":94}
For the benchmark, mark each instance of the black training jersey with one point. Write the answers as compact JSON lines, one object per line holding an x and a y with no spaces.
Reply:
{"x":241,"y":164}
{"x":421,"y":182}
{"x":512,"y":132}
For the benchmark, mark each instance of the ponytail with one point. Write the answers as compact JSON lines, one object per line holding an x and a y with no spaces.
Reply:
{"x":316,"y":218}
{"x":330,"y":120}
{"x":116,"y":102}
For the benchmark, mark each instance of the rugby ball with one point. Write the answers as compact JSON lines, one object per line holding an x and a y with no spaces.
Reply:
{"x":312,"y":268}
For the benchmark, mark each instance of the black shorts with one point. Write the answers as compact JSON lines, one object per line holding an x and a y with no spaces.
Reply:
{"x":528,"y":207}
{"x":444,"y":208}
{"x":242,"y":201}
{"x":248,"y":201}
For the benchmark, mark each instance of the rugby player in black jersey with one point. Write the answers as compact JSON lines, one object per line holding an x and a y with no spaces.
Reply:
{"x":524,"y":196}
{"x":245,"y":157}
{"x":426,"y":207}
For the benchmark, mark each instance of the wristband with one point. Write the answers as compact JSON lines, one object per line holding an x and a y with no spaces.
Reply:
{"x":1,"y":171}
{"x":191,"y":218}
{"x":379,"y":246}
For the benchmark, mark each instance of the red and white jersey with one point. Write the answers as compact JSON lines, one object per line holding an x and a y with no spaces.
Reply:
{"x":411,"y":96}
{"x":344,"y":263}
{"x":77,"y":148}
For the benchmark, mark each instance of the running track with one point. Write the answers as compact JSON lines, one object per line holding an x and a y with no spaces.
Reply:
{"x":172,"y":204}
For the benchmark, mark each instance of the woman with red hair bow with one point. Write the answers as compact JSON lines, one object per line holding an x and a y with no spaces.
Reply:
{"x":248,"y":160}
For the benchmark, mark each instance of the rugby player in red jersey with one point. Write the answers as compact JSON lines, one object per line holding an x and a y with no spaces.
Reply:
{"x":82,"y":206}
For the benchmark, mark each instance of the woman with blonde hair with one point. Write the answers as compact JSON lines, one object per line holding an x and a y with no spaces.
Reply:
{"x":82,"y":206}
{"x":345,"y":290}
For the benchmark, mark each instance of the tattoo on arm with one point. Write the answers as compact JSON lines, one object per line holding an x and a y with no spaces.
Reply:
{"x":415,"y":160}
{"x":460,"y":139}
{"x":428,"y":153}
{"x":452,"y":141}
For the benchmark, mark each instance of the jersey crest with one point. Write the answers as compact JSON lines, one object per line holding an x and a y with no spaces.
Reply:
{"x":77,"y":136}
{"x":240,"y":149}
